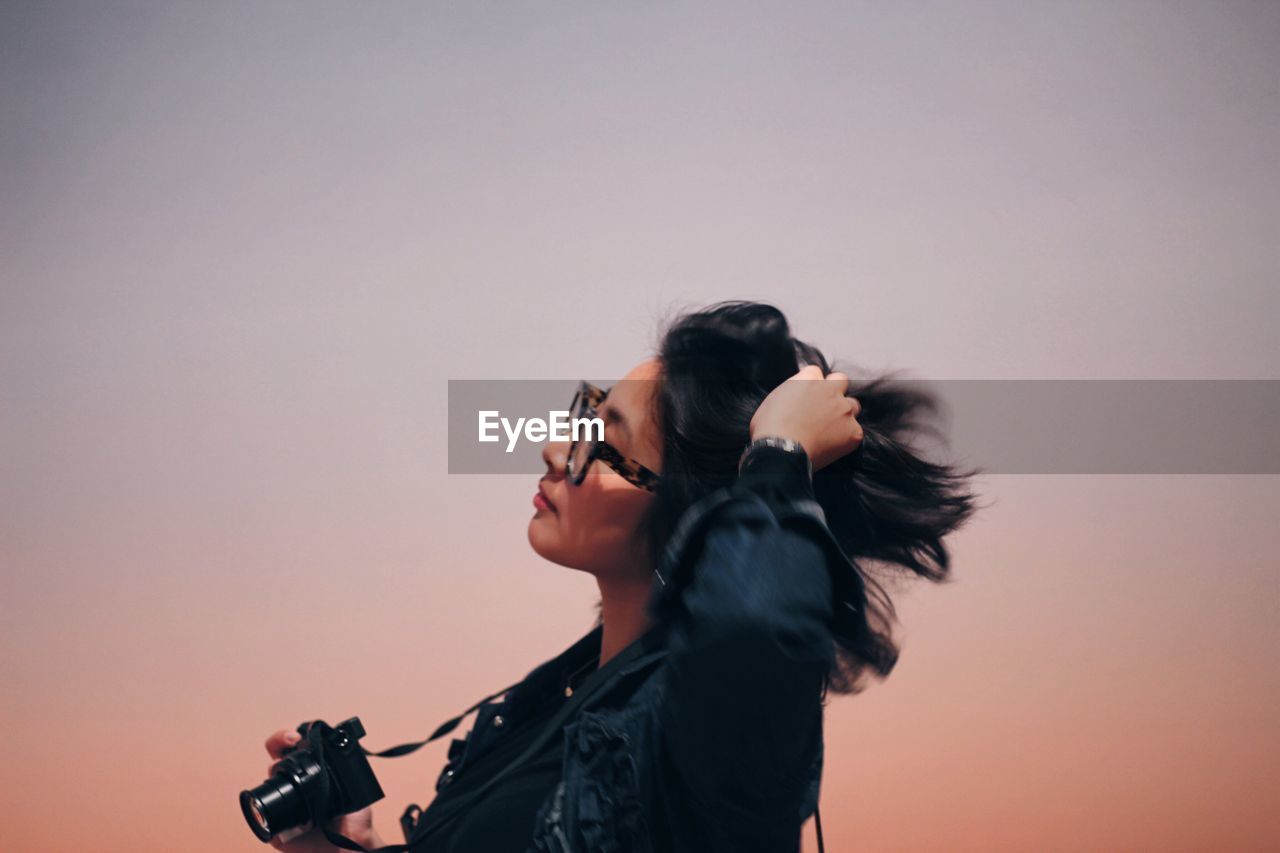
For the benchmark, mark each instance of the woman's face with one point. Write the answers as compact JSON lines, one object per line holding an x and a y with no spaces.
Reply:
{"x":594,"y":526}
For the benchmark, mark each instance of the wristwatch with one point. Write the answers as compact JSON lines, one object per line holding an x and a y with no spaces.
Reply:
{"x":780,"y":443}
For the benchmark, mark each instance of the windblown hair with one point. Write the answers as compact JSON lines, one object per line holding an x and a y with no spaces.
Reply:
{"x":885,"y":504}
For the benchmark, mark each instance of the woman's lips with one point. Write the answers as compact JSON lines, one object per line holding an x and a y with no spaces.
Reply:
{"x":541,"y":501}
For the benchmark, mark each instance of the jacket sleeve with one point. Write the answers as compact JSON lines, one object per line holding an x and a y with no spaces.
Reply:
{"x":747,"y":595}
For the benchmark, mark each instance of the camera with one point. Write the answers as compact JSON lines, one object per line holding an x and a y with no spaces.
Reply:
{"x":327,"y":774}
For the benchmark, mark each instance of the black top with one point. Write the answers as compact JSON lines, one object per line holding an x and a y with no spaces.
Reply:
{"x":502,"y":821}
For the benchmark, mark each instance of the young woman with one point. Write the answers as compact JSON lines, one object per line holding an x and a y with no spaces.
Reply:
{"x":727,"y":517}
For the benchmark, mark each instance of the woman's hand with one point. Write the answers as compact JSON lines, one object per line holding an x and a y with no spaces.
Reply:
{"x":814,"y":411}
{"x":358,"y":826}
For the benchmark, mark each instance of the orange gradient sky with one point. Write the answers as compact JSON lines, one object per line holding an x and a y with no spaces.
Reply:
{"x":246,"y":245}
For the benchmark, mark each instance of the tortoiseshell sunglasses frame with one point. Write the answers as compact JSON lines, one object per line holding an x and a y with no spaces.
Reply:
{"x":588,"y":397}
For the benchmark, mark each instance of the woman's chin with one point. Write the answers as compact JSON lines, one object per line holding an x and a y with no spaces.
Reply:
{"x":539,"y":537}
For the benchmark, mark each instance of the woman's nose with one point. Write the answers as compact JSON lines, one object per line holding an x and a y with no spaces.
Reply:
{"x":555,"y":454}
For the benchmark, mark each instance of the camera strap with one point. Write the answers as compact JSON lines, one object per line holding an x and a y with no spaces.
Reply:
{"x":339,"y":840}
{"x":552,"y":728}
{"x":444,"y":729}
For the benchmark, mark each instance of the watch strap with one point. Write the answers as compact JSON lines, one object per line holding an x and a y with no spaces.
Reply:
{"x":778,"y":443}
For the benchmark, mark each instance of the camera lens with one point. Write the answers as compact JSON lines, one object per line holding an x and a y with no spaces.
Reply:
{"x":280,"y":803}
{"x":257,"y":819}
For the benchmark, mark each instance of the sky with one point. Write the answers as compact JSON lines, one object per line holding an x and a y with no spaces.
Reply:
{"x":246,"y":245}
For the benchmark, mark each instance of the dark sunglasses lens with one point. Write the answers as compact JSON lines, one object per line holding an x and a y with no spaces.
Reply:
{"x":578,"y":459}
{"x":579,"y":451}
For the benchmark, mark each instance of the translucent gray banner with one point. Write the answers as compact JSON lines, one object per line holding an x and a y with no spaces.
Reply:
{"x":1016,"y":426}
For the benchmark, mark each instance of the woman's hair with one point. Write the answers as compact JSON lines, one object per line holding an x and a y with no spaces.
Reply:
{"x":884,"y":503}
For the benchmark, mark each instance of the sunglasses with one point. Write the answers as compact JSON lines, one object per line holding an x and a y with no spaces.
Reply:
{"x":584,"y":451}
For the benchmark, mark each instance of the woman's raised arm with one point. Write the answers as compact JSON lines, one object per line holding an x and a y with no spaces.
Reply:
{"x":749,"y":604}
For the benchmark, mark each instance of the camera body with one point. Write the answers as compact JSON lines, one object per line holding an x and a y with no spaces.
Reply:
{"x":327,"y":774}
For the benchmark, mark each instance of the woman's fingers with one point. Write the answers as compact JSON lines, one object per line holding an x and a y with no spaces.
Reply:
{"x":841,"y":433}
{"x":281,"y":740}
{"x":809,"y":371}
{"x":821,"y":416}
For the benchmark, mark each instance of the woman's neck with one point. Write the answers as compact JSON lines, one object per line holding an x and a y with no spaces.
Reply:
{"x":623,"y":613}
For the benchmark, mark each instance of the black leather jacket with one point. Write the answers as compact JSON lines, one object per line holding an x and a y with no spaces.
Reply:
{"x":713,"y":740}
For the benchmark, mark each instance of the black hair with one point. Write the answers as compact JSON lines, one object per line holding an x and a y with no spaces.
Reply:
{"x":885,"y":504}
